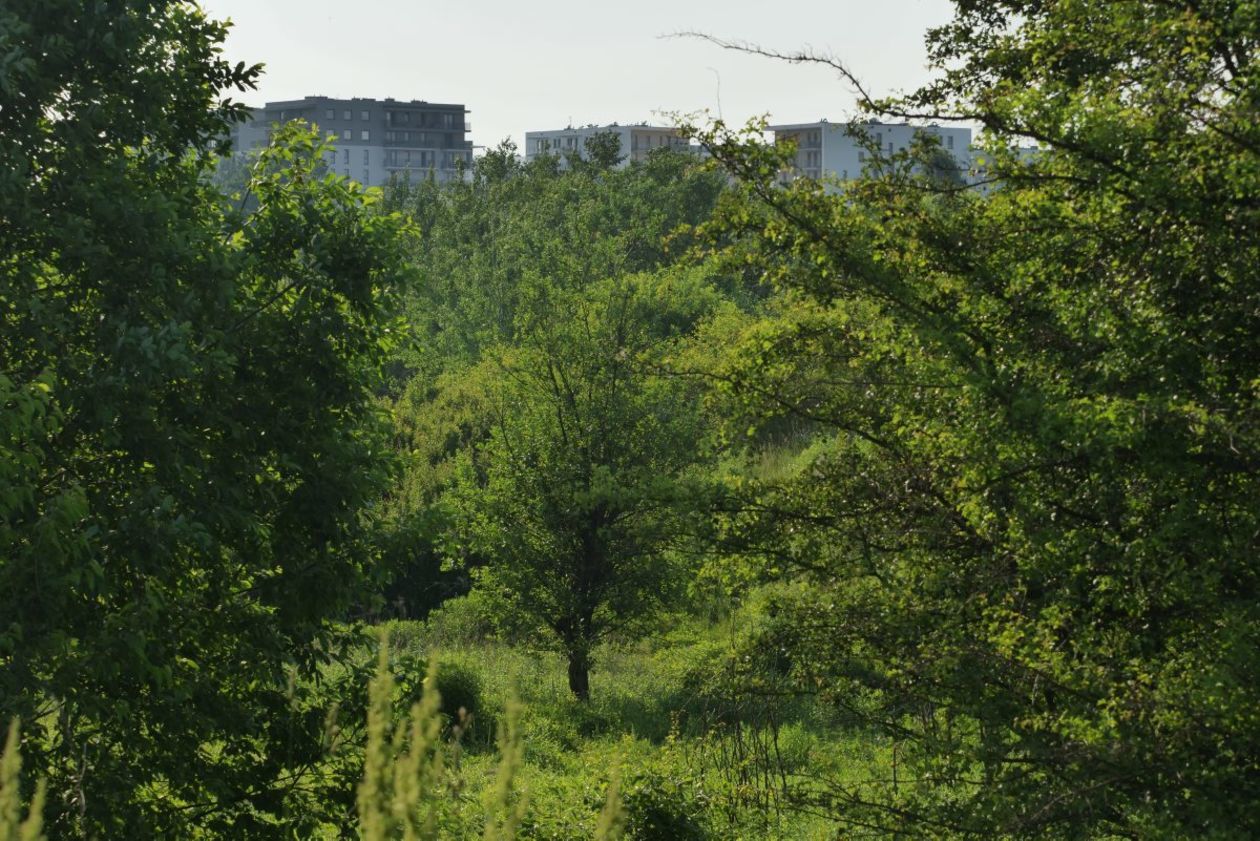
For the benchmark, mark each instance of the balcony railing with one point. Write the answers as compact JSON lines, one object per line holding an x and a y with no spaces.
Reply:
{"x":442,"y":165}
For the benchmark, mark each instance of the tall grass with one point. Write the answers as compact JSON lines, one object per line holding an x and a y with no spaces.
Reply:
{"x":506,"y":801}
{"x":12,"y":827}
{"x":611,"y":825}
{"x":412,"y":786}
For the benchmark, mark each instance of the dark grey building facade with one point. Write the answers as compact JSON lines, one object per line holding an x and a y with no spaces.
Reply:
{"x":377,"y":140}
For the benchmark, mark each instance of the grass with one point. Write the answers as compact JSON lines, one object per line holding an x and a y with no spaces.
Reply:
{"x":687,"y":770}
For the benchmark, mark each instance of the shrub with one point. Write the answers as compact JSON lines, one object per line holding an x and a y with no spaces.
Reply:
{"x":660,"y":807}
{"x":476,"y":617}
{"x":463,"y":701}
{"x":405,"y":637}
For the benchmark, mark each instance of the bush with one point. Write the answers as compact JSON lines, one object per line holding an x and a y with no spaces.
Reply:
{"x":405,"y":637}
{"x":463,"y":699}
{"x":476,"y":617}
{"x":663,"y":808}
{"x":463,"y":702}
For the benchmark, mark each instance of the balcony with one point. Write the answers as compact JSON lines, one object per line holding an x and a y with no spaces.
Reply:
{"x":800,"y":141}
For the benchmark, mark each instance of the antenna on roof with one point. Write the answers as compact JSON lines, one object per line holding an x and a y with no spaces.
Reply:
{"x":718,"y":92}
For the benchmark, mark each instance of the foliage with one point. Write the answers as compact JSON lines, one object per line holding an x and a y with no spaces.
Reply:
{"x":515,"y":232}
{"x":1027,"y":520}
{"x":506,"y":802}
{"x":603,"y":150}
{"x":583,"y":485}
{"x":479,"y":616}
{"x":188,"y":440}
{"x":672,"y":765}
{"x":660,"y":808}
{"x":412,"y":784}
{"x":463,"y":702}
{"x":12,"y":827}
{"x":531,"y":272}
{"x":404,"y":786}
{"x":974,"y":466}
{"x":611,"y":824}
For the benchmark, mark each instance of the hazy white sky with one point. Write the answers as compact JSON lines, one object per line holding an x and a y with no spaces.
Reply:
{"x":541,"y":64}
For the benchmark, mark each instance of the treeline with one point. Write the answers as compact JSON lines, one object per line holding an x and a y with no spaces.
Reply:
{"x":981,"y":461}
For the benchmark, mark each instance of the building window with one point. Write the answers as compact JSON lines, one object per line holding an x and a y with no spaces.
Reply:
{"x":365,"y":115}
{"x":949,"y":142}
{"x":330,"y":114}
{"x":366,"y":179}
{"x":345,"y":115}
{"x":346,"y":158}
{"x":345,"y":134}
{"x":366,"y":153}
{"x":364,"y":135}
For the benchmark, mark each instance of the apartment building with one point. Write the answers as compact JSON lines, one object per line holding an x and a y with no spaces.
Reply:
{"x":637,"y":141}
{"x":838,"y":152}
{"x":377,"y":140}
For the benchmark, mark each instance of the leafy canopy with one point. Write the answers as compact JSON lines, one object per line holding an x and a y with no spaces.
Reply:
{"x":187,"y":443}
{"x":1029,"y":504}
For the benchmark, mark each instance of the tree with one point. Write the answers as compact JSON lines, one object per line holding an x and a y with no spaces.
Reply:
{"x":189,"y":443}
{"x":603,"y":150}
{"x":1029,"y":517}
{"x":484,"y":244}
{"x":491,"y":250}
{"x":498,"y":164}
{"x":587,"y":477}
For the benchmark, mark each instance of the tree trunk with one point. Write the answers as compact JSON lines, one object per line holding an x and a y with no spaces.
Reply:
{"x":580,"y":675}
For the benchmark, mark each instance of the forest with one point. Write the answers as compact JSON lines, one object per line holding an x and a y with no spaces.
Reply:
{"x":594,"y":499}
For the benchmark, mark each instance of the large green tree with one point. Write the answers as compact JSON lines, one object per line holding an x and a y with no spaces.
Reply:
{"x":580,"y":493}
{"x":1029,"y":520}
{"x":508,"y":243}
{"x":188,"y":440}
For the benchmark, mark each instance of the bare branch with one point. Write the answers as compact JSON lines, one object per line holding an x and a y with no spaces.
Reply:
{"x":805,"y":56}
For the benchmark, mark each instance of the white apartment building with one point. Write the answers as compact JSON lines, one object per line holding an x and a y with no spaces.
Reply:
{"x":836,"y":152}
{"x":637,"y":141}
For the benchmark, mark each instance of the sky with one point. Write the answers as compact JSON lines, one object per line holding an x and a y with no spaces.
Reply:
{"x":545,"y":64}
